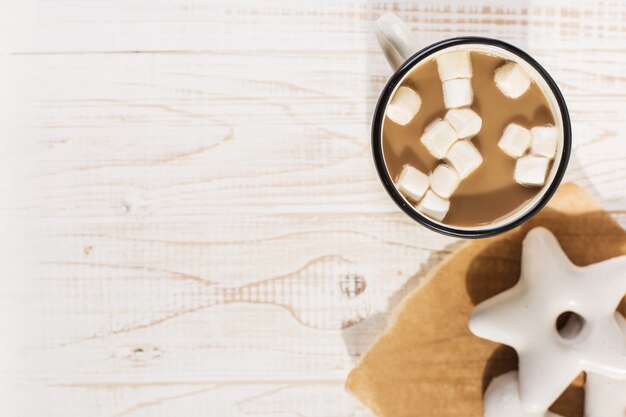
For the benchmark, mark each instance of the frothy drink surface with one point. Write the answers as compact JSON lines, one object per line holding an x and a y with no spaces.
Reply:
{"x":490,"y":193}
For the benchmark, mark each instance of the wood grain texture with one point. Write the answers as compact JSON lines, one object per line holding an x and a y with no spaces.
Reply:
{"x":192,"y":224}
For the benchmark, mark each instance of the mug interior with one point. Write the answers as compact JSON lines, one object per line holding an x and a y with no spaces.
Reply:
{"x":555,"y":102}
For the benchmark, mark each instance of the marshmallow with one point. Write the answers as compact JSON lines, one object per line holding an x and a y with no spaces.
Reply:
{"x":512,"y":80}
{"x":404,"y":105}
{"x":465,"y":122}
{"x":412,"y":183}
{"x":454,"y":65}
{"x":531,"y":170}
{"x":457,"y":93}
{"x":543,"y":141}
{"x":515,"y":140}
{"x":464,"y":157}
{"x":438,"y":136}
{"x":434,"y":206}
{"x":444,"y":180}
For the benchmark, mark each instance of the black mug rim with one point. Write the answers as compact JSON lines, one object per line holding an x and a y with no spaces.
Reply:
{"x":379,"y":161}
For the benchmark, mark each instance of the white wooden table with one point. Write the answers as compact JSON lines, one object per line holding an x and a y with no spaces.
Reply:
{"x":191,"y":221}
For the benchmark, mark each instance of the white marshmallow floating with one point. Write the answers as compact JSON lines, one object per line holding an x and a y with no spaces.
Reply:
{"x":404,"y":105}
{"x":465,"y":122}
{"x":502,"y":399}
{"x":434,"y":206}
{"x":605,"y":397}
{"x":531,"y":170}
{"x":464,"y":157}
{"x":544,"y":141}
{"x":444,"y":180}
{"x":412,"y":183}
{"x":512,"y":80}
{"x":524,"y":317}
{"x":457,"y":93}
{"x":454,"y":65}
{"x":515,"y":140}
{"x":438,"y":136}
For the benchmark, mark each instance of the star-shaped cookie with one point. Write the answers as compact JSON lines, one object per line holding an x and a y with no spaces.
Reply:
{"x":525,"y":318}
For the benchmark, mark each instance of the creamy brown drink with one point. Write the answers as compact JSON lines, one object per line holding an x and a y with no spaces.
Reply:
{"x":469,"y":138}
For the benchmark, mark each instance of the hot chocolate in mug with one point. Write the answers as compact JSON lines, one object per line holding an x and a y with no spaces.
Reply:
{"x":471,"y":136}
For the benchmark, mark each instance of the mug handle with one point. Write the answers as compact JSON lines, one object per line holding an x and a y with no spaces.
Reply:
{"x":396,"y":39}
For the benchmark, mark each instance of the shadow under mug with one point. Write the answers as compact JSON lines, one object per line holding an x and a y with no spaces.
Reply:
{"x":399,"y":46}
